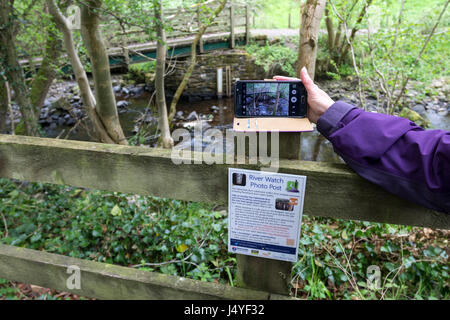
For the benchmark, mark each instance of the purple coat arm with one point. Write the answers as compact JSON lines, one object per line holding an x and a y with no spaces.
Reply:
{"x":392,"y":152}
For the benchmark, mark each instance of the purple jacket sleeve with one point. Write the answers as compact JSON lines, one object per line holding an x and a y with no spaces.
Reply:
{"x":392,"y":152}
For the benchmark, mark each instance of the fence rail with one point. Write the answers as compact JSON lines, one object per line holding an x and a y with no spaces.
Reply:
{"x":106,"y":281}
{"x":332,"y":190}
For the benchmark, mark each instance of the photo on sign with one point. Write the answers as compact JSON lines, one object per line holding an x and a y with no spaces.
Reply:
{"x":284,"y":204}
{"x":292,"y":186}
{"x":239,"y":179}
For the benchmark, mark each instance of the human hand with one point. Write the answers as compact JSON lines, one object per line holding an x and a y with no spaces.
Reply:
{"x":318,"y":100}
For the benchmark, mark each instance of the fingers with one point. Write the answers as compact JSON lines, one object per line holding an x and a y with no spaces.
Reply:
{"x":283,"y":78}
{"x":304,"y":76}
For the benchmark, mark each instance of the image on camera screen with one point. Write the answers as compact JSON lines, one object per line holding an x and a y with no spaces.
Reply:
{"x":267,"y":99}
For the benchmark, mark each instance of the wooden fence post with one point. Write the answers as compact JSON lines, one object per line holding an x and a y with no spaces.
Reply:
{"x":268,"y":274}
{"x":232,"y":36}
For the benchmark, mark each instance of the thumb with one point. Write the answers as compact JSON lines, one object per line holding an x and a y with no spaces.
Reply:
{"x":306,"y":79}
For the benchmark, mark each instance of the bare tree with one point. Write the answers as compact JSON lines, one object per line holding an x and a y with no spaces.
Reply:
{"x":161,"y":50}
{"x":99,"y":129}
{"x":361,"y":15}
{"x":13,"y":70}
{"x":105,"y":100}
{"x":193,"y":59}
{"x":47,"y":70}
{"x":350,"y":45}
{"x":430,"y":35}
{"x":338,"y":46}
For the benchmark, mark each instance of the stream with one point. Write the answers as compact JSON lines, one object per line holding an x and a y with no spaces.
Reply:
{"x":217,"y":114}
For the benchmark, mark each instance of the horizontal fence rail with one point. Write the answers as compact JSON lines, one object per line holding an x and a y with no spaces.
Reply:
{"x":106,"y":281}
{"x":332,"y":190}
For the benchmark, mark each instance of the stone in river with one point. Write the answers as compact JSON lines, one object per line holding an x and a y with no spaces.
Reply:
{"x":122,"y":104}
{"x":179,"y":115}
{"x":419,"y":109}
{"x":192,"y":116}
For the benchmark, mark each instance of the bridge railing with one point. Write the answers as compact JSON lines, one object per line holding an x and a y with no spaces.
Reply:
{"x":332,"y":191}
{"x":182,"y":23}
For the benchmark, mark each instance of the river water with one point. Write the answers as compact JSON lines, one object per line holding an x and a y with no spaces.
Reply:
{"x":313,"y":145}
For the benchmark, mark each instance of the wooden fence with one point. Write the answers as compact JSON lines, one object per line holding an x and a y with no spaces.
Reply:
{"x":332,"y":191}
{"x":182,"y":25}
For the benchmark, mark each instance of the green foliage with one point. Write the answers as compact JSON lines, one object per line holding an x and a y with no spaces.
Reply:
{"x":393,"y":53}
{"x":335,"y":254}
{"x":275,"y":14}
{"x":400,"y":59}
{"x":326,"y":66}
{"x":142,"y":72}
{"x":117,"y":228}
{"x":143,"y":67}
{"x":189,"y":239}
{"x":415,"y":117}
{"x":275,"y":54}
{"x":7,"y":292}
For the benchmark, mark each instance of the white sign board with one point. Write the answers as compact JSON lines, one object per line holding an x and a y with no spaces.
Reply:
{"x":264,"y":213}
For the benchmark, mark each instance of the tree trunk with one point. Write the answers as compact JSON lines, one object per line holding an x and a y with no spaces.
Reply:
{"x":99,"y":131}
{"x":104,"y":95}
{"x":161,"y":49}
{"x":338,"y":35}
{"x":47,"y":71}
{"x":4,"y":103}
{"x":346,"y":46}
{"x":330,"y":29}
{"x":187,"y":75}
{"x":14,"y":72}
{"x":309,"y":34}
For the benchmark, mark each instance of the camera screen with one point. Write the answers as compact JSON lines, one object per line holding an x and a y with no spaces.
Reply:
{"x":266,"y":99}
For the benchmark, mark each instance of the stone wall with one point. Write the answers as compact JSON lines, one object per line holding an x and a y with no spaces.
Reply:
{"x":203,"y":81}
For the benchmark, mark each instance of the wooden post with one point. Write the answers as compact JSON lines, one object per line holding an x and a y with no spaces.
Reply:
{"x":232,"y":36}
{"x":268,"y":274}
{"x":228,"y":80}
{"x":247,"y":24}
{"x":200,"y":42}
